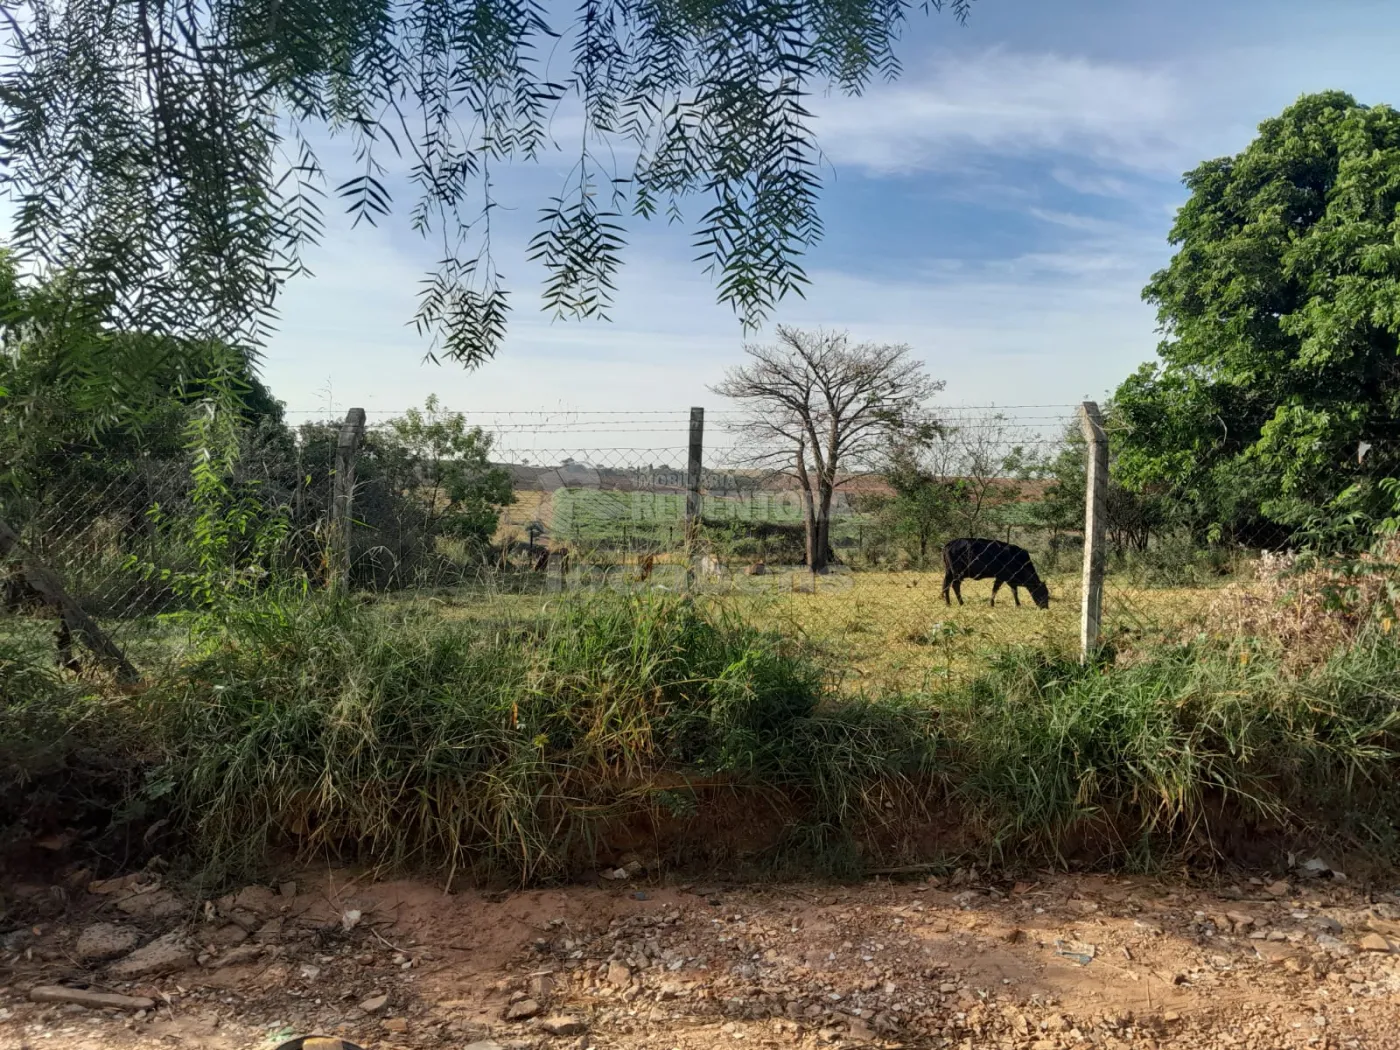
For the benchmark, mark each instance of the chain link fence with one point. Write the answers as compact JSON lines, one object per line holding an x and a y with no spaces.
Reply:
{"x":493,"y":517}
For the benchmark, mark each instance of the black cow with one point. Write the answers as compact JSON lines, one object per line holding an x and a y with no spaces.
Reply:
{"x":1007,"y":563}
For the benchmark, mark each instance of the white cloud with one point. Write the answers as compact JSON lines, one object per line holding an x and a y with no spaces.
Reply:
{"x":1005,"y":103}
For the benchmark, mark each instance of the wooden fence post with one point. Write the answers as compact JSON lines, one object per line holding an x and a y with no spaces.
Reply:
{"x":692,"y":495}
{"x":1095,"y":510}
{"x":343,"y":498}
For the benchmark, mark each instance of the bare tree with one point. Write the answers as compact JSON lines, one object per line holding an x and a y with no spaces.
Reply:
{"x":822,"y":410}
{"x":984,"y":451}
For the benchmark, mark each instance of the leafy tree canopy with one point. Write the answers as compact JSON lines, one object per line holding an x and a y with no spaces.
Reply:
{"x":159,"y":151}
{"x":1278,"y":390}
{"x":73,"y":389}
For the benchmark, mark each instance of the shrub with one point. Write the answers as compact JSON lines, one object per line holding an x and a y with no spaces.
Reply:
{"x":421,"y":741}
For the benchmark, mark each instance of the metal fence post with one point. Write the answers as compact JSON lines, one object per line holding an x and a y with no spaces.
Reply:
{"x":1095,"y":510}
{"x":343,"y":497}
{"x":692,"y":494}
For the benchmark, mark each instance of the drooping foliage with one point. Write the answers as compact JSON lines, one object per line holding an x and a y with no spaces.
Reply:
{"x":161,"y":151}
{"x":1275,"y":400}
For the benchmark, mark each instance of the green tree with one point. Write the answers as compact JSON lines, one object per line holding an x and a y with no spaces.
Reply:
{"x":1278,"y":388}
{"x":161,"y":152}
{"x":434,"y":456}
{"x":79,"y":397}
{"x":923,"y":507}
{"x":422,"y":478}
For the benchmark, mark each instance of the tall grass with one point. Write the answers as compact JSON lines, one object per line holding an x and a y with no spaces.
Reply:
{"x":414,"y":741}
{"x":1189,"y":750}
{"x":532,"y":749}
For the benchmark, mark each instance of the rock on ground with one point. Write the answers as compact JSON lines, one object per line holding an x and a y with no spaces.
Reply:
{"x":563,"y":1025}
{"x":104,"y":941}
{"x":163,"y":955}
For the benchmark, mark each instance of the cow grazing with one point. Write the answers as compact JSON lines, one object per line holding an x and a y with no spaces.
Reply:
{"x":1007,"y":563}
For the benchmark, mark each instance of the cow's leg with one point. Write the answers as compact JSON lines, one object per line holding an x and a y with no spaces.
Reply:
{"x":957,"y":589}
{"x":1016,"y":593}
{"x":947,"y":582}
{"x":996,"y":586}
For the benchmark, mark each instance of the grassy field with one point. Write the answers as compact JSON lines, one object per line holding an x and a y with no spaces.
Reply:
{"x":884,"y":631}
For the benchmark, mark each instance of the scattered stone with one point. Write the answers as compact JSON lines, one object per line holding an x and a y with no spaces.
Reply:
{"x":1385,"y":927}
{"x":523,"y":1010}
{"x":104,"y":941}
{"x":1240,"y":918}
{"x":398,"y":1025}
{"x":859,"y":1030}
{"x":562,"y":1024}
{"x":374,"y":1004}
{"x":228,"y":936}
{"x":269,"y":932}
{"x":1277,"y":889}
{"x":55,"y":993}
{"x":152,"y":904}
{"x":484,"y":1044}
{"x":619,"y":974}
{"x":288,"y":889}
{"x":163,"y":955}
{"x":1374,"y":942}
{"x":244,"y":953}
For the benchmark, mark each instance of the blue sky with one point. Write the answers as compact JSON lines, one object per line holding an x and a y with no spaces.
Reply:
{"x":999,"y":208}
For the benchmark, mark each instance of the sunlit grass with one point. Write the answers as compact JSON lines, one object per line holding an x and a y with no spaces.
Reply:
{"x":891,"y":631}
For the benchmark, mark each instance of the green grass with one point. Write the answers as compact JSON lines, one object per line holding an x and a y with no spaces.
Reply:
{"x":1187,"y":752}
{"x":529,"y":748}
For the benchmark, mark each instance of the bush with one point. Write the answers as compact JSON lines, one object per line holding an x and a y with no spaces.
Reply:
{"x":1178,"y":754}
{"x":1304,"y":610}
{"x":71,"y":767}
{"x":420,"y":741}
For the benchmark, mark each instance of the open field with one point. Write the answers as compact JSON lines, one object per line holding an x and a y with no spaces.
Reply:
{"x":883,"y":631}
{"x":878,"y":631}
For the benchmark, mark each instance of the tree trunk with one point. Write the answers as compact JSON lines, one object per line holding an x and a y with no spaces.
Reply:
{"x":809,"y":516}
{"x":823,"y":528}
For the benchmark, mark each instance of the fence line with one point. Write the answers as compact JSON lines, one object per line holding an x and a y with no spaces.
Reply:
{"x":548,"y":502}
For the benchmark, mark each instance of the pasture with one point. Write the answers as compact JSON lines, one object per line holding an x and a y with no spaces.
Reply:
{"x":876,"y":631}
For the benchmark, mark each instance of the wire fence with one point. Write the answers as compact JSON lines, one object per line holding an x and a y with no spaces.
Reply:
{"x":492,"y":515}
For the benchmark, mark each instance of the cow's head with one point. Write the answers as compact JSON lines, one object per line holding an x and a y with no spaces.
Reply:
{"x":1040,"y":594}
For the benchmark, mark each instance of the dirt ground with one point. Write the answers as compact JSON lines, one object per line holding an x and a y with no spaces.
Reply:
{"x":969,"y":962}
